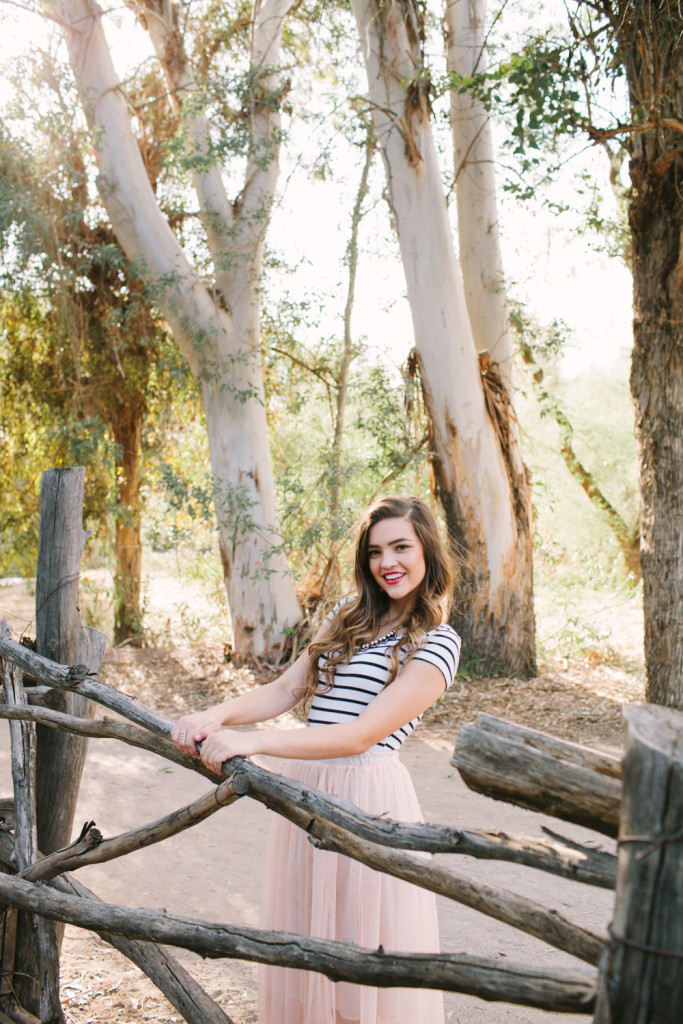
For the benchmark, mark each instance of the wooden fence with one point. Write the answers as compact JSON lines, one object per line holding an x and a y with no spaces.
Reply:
{"x":49,"y":694}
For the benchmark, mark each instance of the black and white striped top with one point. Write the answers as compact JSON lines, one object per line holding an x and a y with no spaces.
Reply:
{"x":365,"y":675}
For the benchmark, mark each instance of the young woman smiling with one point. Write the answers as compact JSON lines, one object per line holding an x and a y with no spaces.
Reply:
{"x":380,"y":659}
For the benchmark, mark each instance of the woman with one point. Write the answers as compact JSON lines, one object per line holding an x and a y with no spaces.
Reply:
{"x":380,"y":659}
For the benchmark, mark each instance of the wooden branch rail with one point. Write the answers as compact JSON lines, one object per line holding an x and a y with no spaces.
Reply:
{"x":569,"y":991}
{"x":593,"y":867}
{"x":91,"y":848}
{"x":170,"y":977}
{"x":333,"y":821}
{"x":522,"y":913}
{"x":508,"y":762}
{"x":76,"y":680}
{"x":333,"y":825}
{"x":106,"y":728}
{"x":311,"y":811}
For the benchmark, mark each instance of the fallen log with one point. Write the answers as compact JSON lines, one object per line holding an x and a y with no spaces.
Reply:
{"x":569,"y":991}
{"x":503,"y":766}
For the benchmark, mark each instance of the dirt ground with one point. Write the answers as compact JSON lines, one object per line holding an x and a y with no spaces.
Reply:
{"x":213,"y":871}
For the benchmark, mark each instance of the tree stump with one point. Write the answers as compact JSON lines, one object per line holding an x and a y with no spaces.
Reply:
{"x":642,"y":968}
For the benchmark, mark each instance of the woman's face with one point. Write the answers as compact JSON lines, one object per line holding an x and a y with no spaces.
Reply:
{"x":396,"y":558}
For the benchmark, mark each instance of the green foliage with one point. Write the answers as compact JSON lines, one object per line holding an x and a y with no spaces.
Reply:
{"x":85,"y":358}
{"x":574,"y":547}
{"x":381,"y":451}
{"x":536,"y":88}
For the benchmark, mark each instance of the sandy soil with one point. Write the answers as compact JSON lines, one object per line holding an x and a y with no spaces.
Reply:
{"x":213,"y":871}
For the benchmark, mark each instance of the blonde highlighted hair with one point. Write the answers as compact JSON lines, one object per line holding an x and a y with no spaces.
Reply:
{"x":357,"y":621}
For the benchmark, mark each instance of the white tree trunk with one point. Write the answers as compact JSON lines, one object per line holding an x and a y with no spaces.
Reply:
{"x":478,"y":234}
{"x":221,"y":346}
{"x":475,"y":476}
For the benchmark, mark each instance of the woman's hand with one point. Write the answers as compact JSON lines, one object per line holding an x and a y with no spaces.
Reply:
{"x":192,"y":729}
{"x":220,"y":746}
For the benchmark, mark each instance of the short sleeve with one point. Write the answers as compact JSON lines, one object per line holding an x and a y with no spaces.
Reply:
{"x":331,"y":614}
{"x":442,"y":649}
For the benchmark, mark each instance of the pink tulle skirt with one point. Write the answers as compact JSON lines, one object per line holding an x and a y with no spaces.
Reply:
{"x":325,"y":895}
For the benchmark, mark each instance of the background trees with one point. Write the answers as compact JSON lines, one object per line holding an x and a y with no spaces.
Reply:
{"x":647,"y":43}
{"x":88,"y":363}
{"x":194,"y":136}
{"x":615,"y":43}
{"x":216,"y":321}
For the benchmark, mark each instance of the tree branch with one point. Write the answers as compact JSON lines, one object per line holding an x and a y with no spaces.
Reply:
{"x":92,"y":849}
{"x":593,"y":867}
{"x":169,"y":976}
{"x":567,"y":990}
{"x":628,"y":539}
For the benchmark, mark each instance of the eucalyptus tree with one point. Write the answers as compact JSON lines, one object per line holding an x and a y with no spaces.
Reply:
{"x":482,"y":481}
{"x":615,"y":79}
{"x":212,"y":304}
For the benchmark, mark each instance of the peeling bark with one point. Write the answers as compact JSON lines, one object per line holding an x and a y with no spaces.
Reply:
{"x":483,"y":488}
{"x":127,"y":429}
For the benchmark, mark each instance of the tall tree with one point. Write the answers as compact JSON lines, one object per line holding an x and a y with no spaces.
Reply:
{"x":480,"y":257}
{"x":215,"y":320}
{"x":648,"y":39}
{"x":565,"y":85}
{"x":481,"y":479}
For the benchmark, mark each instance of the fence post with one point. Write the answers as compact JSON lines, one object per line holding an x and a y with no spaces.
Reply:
{"x":60,"y":637}
{"x":60,"y":757}
{"x":642,"y":967}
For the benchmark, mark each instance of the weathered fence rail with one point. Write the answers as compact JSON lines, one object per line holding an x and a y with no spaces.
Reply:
{"x":515,"y":764}
{"x":540,"y":772}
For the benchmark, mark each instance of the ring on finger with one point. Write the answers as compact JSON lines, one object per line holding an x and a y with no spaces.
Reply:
{"x":183,"y":737}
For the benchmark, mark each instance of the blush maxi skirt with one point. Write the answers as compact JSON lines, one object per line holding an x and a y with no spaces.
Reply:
{"x":325,"y":895}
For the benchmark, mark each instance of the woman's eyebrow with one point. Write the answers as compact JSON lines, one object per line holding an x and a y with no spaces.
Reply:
{"x":399,"y":540}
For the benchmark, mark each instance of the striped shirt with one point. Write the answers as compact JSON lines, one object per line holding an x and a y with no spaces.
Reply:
{"x":365,"y":675}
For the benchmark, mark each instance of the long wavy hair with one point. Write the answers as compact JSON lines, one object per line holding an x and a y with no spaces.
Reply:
{"x":357,"y":620}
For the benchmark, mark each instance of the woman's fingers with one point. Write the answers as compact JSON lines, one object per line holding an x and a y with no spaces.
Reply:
{"x":186,"y":734}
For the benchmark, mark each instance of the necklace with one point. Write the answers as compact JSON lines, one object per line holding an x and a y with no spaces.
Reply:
{"x":378,"y":641}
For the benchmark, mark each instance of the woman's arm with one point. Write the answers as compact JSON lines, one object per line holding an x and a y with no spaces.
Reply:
{"x":413,"y":690}
{"x":259,"y":705}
